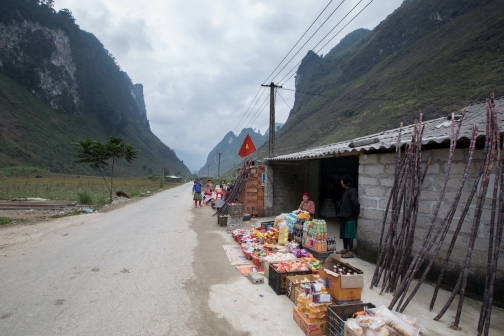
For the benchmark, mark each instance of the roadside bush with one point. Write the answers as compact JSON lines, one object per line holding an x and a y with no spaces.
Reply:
{"x":85,"y":197}
{"x":5,"y":220}
{"x":134,"y":193}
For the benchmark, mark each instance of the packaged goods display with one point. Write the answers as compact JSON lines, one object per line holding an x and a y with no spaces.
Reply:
{"x":326,"y":291}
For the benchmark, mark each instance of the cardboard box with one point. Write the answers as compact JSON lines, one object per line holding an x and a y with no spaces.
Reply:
{"x":292,"y":285}
{"x":343,"y":288}
{"x":309,"y":329}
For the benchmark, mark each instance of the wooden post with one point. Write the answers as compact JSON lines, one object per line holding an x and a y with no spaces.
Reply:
{"x":271,"y":142}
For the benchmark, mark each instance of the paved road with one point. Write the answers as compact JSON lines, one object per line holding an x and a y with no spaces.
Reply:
{"x":152,"y":267}
{"x":114,"y":273}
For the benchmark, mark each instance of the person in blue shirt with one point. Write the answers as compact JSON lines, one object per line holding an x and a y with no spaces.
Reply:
{"x":196,"y":190}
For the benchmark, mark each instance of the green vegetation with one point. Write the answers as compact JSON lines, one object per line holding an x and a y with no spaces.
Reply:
{"x":98,"y":155}
{"x":5,"y":220}
{"x":85,"y":197}
{"x":427,"y":57}
{"x":83,"y":189}
{"x":34,"y":134}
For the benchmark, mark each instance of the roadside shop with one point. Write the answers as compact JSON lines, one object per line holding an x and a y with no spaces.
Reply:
{"x":296,"y":258}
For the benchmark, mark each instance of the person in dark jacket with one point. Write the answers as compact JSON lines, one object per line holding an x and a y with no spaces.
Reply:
{"x":348,"y":213}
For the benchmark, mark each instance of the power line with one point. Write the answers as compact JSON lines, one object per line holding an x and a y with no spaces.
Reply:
{"x":284,"y":99}
{"x":259,"y":111}
{"x":254,"y":117}
{"x":310,"y":39}
{"x":327,"y":41}
{"x":335,"y":97}
{"x":249,"y":110}
{"x":299,"y":40}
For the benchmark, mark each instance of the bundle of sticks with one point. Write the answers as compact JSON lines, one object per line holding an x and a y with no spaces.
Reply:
{"x":237,"y":189}
{"x":437,"y":231}
{"x":395,"y":246}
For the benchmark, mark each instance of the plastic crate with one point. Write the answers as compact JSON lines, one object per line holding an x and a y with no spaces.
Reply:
{"x":319,"y":255}
{"x":233,"y":223}
{"x":337,"y":315}
{"x":267,"y":225}
{"x":236,"y":211}
{"x":277,"y":280}
{"x":222,"y":220}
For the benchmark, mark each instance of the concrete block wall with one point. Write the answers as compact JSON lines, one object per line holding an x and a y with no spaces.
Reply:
{"x":376,"y":174}
{"x":289,"y":182}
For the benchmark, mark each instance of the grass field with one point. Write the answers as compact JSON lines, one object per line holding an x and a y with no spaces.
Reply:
{"x":84,"y":189}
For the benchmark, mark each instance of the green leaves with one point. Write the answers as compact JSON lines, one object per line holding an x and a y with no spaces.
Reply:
{"x":97,"y":154}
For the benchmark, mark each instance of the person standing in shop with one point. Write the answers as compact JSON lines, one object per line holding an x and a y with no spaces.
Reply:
{"x":196,"y":191}
{"x":307,"y":205}
{"x":348,"y":213}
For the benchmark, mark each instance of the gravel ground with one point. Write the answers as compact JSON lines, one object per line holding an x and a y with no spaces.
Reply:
{"x":30,"y":214}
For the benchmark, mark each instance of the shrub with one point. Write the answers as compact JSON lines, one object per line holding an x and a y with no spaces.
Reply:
{"x":5,"y":220}
{"x":85,"y":197}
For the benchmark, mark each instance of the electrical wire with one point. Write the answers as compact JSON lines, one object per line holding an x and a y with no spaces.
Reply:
{"x":298,"y":41}
{"x":249,"y":110}
{"x":335,"y":97}
{"x":311,"y":38}
{"x":316,"y":53}
{"x":253,"y":118}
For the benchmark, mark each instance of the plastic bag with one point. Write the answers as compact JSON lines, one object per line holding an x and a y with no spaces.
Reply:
{"x":283,"y":234}
{"x":397,"y":321}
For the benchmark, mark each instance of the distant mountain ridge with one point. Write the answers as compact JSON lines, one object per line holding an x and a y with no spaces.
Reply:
{"x":430,"y":57}
{"x":59,"y":85}
{"x":229,"y":147}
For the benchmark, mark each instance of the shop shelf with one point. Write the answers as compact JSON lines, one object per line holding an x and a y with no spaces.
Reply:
{"x":337,"y":315}
{"x":276,"y":280}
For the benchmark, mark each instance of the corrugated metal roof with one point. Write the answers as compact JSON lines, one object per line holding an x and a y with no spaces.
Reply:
{"x":436,"y":131}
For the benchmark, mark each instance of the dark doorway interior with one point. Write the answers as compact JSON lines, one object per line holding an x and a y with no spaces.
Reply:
{"x":331,"y":171}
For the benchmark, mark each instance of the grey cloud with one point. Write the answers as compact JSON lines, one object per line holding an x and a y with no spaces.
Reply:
{"x":201,"y":62}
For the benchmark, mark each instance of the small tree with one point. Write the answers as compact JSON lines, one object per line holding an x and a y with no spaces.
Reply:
{"x":98,"y":154}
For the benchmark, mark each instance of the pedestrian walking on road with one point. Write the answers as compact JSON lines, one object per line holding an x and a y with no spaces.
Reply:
{"x":348,"y":213}
{"x":196,"y":190}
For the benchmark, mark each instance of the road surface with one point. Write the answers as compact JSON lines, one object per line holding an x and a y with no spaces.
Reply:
{"x":147,"y":268}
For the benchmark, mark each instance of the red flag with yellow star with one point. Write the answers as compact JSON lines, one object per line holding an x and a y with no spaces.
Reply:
{"x":247,"y":147}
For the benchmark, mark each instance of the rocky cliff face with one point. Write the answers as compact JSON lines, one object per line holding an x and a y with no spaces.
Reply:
{"x":137,"y":93}
{"x":43,"y":58}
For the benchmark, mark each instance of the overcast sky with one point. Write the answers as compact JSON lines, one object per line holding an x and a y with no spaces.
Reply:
{"x":202,"y":62}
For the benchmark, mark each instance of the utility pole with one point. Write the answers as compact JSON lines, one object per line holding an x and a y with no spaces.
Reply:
{"x":163,"y":176}
{"x":218,"y":169}
{"x":208,"y":171}
{"x":272,"y":87}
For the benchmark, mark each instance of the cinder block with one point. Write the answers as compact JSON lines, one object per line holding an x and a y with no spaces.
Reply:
{"x":372,"y":214}
{"x":386,"y":182}
{"x":387,"y":158}
{"x":367,"y":202}
{"x":390,"y":170}
{"x":374,"y":170}
{"x":368,"y":158}
{"x":364,"y":180}
{"x":372,"y":191}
